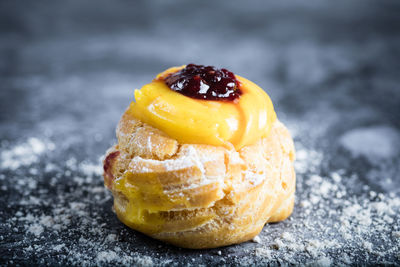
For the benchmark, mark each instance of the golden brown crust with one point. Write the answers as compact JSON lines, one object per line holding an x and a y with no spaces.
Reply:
{"x":200,"y":196}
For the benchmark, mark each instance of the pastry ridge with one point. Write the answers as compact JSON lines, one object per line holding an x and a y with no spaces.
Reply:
{"x":199,"y":196}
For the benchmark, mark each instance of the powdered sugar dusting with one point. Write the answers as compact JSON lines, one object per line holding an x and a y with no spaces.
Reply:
{"x":67,"y":82}
{"x":329,"y":217}
{"x":372,"y":142}
{"x":257,"y":239}
{"x":24,"y":154}
{"x":39,"y":213}
{"x":188,"y":157}
{"x":254,"y":178}
{"x":313,"y":232}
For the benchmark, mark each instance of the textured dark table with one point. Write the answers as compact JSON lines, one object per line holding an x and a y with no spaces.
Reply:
{"x":68,"y":70}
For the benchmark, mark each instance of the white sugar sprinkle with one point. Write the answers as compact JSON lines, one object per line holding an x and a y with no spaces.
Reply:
{"x":24,"y":154}
{"x":372,"y":142}
{"x":256,"y":239}
{"x":328,"y":216}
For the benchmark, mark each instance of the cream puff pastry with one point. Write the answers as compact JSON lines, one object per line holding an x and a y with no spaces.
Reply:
{"x":201,"y":160}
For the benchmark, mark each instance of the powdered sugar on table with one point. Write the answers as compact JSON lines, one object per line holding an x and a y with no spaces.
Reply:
{"x":330,"y":218}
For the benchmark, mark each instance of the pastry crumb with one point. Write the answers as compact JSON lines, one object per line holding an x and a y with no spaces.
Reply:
{"x":256,"y":239}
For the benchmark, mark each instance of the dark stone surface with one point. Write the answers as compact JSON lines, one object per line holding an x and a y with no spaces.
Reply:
{"x":68,"y":70}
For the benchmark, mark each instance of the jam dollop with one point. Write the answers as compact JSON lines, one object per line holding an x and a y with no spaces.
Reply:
{"x":205,"y":82}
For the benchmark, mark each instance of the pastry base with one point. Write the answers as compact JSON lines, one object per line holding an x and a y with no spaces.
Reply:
{"x":199,"y":196}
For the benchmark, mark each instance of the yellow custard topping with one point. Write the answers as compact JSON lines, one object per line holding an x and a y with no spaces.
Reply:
{"x":220,"y":123}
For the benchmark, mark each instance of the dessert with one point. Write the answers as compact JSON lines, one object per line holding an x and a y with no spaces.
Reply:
{"x":201,"y":160}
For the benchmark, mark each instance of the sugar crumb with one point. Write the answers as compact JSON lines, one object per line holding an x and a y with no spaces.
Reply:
{"x":256,"y":239}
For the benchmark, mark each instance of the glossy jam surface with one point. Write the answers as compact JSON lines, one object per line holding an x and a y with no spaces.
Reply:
{"x":232,"y":124}
{"x":204,"y":82}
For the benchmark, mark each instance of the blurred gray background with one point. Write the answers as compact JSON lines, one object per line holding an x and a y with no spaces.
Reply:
{"x":68,"y":70}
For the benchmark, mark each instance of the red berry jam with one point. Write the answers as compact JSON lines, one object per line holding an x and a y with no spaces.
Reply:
{"x":108,"y":162}
{"x":205,"y":82}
